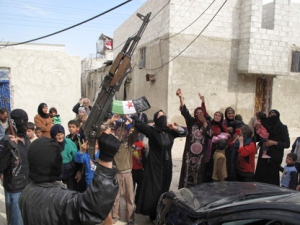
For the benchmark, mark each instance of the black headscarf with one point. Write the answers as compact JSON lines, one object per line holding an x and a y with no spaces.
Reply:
{"x":40,"y":111}
{"x":55,"y":129}
{"x":227,"y":121}
{"x":273,"y":123}
{"x":161,"y":122}
{"x":45,"y":160}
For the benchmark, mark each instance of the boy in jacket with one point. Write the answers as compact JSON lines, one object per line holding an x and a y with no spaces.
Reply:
{"x":246,"y":155}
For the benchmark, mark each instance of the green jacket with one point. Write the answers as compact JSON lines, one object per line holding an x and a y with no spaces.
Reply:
{"x":56,"y":119}
{"x":69,"y":151}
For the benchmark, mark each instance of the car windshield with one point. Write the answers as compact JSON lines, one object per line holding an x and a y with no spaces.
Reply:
{"x":245,"y":199}
{"x":216,"y":194}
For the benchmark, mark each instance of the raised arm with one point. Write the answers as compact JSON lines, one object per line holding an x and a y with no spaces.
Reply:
{"x":178,"y":131}
{"x":76,"y":107}
{"x":143,"y":128}
{"x":183,"y":109}
{"x":203,"y":106}
{"x":181,"y":99}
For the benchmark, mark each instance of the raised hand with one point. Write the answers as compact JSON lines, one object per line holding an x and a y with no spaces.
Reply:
{"x":172,"y":126}
{"x":201,"y":97}
{"x":178,"y":92}
{"x":78,"y":176}
{"x":83,"y":146}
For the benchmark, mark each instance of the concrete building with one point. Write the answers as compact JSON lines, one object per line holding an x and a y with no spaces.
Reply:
{"x":93,"y":70}
{"x":38,"y":73}
{"x":241,"y":58}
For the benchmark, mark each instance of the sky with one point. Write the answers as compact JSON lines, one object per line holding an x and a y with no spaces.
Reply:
{"x":23,"y":20}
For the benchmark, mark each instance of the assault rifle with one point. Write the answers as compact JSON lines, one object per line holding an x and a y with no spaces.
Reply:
{"x":110,"y":85}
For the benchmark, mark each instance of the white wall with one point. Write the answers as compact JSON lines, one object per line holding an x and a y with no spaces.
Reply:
{"x":42,"y":73}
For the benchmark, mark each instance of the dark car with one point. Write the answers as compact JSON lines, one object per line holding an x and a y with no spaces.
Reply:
{"x":230,"y":203}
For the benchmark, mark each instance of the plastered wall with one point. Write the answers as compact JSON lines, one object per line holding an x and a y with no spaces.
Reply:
{"x":43,"y":73}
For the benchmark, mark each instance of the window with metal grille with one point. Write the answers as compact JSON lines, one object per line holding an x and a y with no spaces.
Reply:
{"x":295,"y":61}
{"x":142,"y":63}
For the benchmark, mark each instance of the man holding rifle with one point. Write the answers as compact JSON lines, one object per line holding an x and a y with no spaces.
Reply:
{"x":46,"y":200}
{"x":14,"y":165}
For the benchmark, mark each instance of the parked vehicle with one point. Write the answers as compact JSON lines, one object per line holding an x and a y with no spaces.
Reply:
{"x":230,"y":203}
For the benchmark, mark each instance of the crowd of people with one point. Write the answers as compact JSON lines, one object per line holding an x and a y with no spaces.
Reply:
{"x":133,"y":156}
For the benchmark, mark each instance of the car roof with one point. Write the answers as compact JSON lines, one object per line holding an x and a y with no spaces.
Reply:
{"x":218,"y":194}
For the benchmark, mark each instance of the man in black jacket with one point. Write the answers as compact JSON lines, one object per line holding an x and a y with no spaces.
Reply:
{"x":46,"y":200}
{"x":14,"y":165}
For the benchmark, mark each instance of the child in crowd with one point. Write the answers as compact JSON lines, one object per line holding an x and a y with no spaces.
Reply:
{"x":83,"y":157}
{"x":237,"y":123}
{"x":289,"y":177}
{"x":81,"y":118}
{"x":30,"y":131}
{"x":296,"y":150}
{"x":123,"y":162}
{"x":81,"y":111}
{"x":138,"y":158}
{"x":224,"y":136}
{"x":73,"y":126}
{"x":262,"y":133}
{"x":75,"y":137}
{"x":55,"y":117}
{"x":246,"y":155}
{"x":38,"y":132}
{"x":220,"y":169}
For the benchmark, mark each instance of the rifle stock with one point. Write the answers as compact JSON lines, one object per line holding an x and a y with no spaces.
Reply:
{"x":111,"y":83}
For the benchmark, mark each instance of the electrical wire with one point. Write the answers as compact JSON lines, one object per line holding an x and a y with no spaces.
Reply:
{"x":9,"y":17}
{"x":160,"y":67}
{"x":192,"y":22}
{"x":167,"y":23}
{"x":20,"y":43}
{"x":160,"y":10}
{"x":161,"y":39}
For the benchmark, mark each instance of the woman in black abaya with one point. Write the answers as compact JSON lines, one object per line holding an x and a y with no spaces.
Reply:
{"x":158,"y":172}
{"x":267,"y":170}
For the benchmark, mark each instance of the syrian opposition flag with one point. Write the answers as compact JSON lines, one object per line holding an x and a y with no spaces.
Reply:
{"x":130,"y":106}
{"x":123,"y":107}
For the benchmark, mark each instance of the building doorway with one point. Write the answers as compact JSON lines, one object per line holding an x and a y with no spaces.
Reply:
{"x":263,"y":94}
{"x":4,"y":88}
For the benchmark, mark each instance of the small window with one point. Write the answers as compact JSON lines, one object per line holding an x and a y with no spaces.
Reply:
{"x":295,"y":62}
{"x":142,"y":63}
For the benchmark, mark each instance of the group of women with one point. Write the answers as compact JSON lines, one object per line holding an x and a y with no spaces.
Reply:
{"x":197,"y":156}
